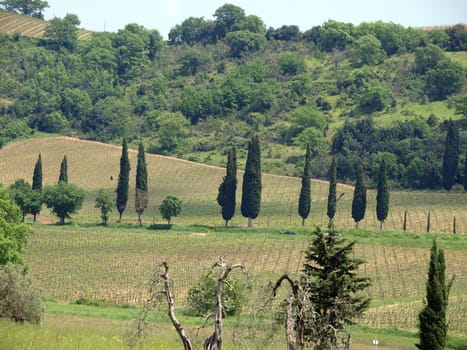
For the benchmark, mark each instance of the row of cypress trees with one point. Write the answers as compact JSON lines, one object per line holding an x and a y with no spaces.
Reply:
{"x":251,"y":189}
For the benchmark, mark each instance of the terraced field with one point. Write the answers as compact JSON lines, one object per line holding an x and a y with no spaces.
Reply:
{"x":12,"y":23}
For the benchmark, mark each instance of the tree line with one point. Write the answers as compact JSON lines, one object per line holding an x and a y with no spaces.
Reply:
{"x":233,"y":75}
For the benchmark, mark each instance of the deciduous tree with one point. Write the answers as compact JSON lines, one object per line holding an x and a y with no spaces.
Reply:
{"x":28,"y":200}
{"x":33,"y":8}
{"x":64,"y":199}
{"x":171,"y":206}
{"x":104,"y":202}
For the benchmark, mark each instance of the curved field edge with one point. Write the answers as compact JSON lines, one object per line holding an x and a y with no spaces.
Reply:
{"x":93,"y":165}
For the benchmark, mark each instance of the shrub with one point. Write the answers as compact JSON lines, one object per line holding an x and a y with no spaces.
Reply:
{"x":19,"y":300}
{"x":202,"y":297}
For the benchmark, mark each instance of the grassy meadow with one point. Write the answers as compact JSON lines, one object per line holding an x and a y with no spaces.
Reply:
{"x":102,"y":267}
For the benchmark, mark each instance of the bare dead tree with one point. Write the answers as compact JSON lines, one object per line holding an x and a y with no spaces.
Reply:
{"x":214,"y":342}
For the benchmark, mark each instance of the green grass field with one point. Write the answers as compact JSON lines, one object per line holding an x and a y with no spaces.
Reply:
{"x":109,"y":265}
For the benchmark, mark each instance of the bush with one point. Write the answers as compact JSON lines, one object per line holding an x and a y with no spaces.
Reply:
{"x":202,"y":297}
{"x":19,"y":300}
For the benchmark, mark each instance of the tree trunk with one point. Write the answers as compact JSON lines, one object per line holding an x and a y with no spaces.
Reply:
{"x":178,"y":327}
{"x":120,"y":217}
{"x":250,"y":222}
{"x":226,"y":223}
{"x":36,"y":215}
{"x":303,"y":221}
{"x":381,"y":224}
{"x":356,"y":224}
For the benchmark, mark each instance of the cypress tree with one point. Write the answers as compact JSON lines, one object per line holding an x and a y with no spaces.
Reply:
{"x":251,"y":187}
{"x":226,"y":196}
{"x":304,"y":200}
{"x":451,"y":156}
{"x":432,"y":319}
{"x":123,"y":180}
{"x":63,"y":177}
{"x":332,"y":200}
{"x":465,"y":172}
{"x":37,"y":175}
{"x":382,"y":195}
{"x":141,"y":196}
{"x":359,"y":197}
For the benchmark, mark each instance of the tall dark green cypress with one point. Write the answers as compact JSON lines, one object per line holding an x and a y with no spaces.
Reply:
{"x":37,"y":175}
{"x":304,"y":200}
{"x":359,"y":197}
{"x":432,"y":319}
{"x":251,"y":187}
{"x":226,"y":196}
{"x":451,"y":156}
{"x":63,"y":171}
{"x":382,"y":194}
{"x":332,"y":198}
{"x":141,"y":195}
{"x":465,"y":172}
{"x":123,"y":180}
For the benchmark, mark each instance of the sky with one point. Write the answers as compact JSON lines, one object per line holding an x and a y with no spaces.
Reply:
{"x":112,"y":15}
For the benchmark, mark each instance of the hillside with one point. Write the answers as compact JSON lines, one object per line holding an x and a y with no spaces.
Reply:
{"x":353,"y":92}
{"x":94,"y":165}
{"x":14,"y":24}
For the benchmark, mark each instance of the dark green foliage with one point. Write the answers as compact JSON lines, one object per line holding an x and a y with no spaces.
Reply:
{"x":141,"y":193}
{"x":333,"y":287}
{"x":33,"y":8}
{"x":202,"y":297}
{"x":465,"y":172}
{"x":226,"y":196}
{"x":19,"y":299}
{"x":63,"y":33}
{"x":332,"y":196}
{"x":37,"y":175}
{"x":444,"y":80}
{"x":13,"y":234}
{"x":433,"y":325}
{"x":123,"y":180}
{"x":251,"y":187}
{"x":104,"y":202}
{"x":28,"y":200}
{"x":359,"y":197}
{"x":451,"y":156}
{"x":171,"y":206}
{"x":64,"y":199}
{"x":382,"y":194}
{"x":63,"y":177}
{"x":304,"y":200}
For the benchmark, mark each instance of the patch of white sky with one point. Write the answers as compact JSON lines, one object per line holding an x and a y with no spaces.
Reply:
{"x":111,"y":15}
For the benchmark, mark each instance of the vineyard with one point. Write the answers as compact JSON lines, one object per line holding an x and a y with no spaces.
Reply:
{"x":12,"y":23}
{"x":111,"y":266}
{"x":95,"y":165}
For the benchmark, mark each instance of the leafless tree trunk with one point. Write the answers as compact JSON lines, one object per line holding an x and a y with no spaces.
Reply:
{"x":170,"y":303}
{"x":295,"y":323}
{"x":214,"y":342}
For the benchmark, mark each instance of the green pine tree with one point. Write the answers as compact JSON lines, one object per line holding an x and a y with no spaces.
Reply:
{"x":226,"y":196}
{"x":251,"y":187}
{"x":359,"y":197}
{"x":37,"y":175}
{"x":451,"y":156}
{"x":382,"y":195}
{"x":332,"y":286}
{"x":332,"y":198}
{"x":123,"y":180}
{"x":63,"y":177}
{"x":304,"y":200}
{"x":432,"y":319}
{"x":141,"y":196}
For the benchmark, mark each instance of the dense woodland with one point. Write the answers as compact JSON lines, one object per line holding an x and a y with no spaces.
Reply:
{"x":355,"y":93}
